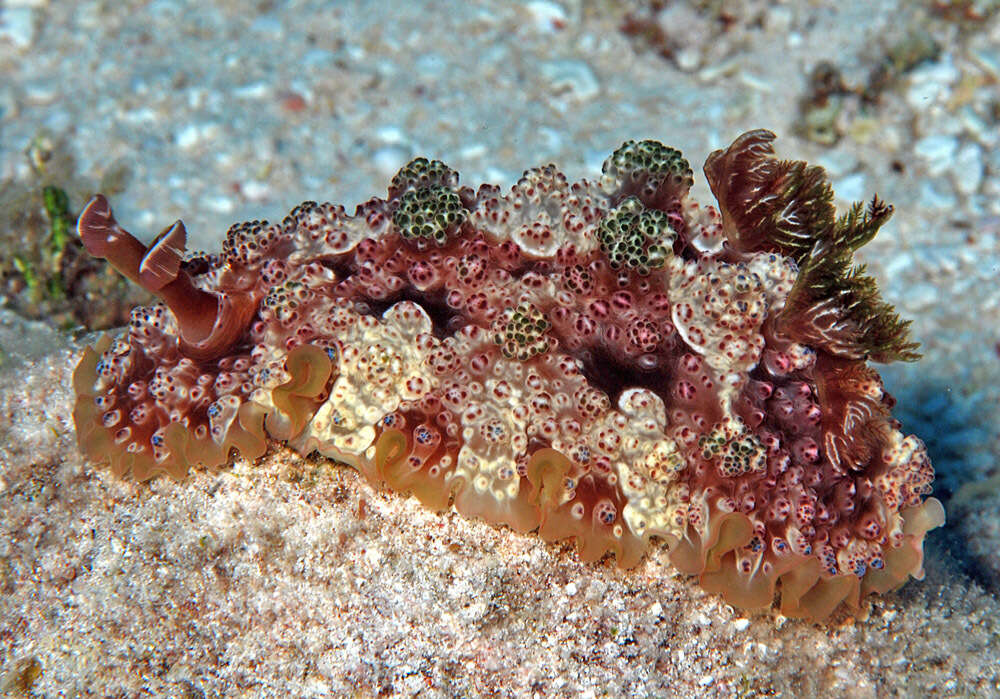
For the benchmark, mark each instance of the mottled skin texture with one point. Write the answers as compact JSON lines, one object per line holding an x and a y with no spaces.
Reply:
{"x":605,"y":361}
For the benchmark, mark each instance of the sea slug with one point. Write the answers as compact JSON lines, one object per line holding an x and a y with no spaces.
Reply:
{"x":602,"y":360}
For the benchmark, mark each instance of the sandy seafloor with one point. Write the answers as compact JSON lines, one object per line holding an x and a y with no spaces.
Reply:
{"x":291,"y":577}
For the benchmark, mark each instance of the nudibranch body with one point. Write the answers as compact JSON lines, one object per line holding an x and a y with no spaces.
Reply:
{"x":606,"y":361}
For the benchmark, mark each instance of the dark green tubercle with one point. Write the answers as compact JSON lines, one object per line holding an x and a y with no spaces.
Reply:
{"x":635,"y":237}
{"x":521,"y":333}
{"x":420,"y":173}
{"x":658,"y":175}
{"x":429,"y":214}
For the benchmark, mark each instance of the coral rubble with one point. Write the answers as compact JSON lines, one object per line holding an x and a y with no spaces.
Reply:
{"x":603,"y":360}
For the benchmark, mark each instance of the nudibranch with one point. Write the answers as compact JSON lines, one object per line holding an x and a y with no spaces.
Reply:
{"x":604,"y":361}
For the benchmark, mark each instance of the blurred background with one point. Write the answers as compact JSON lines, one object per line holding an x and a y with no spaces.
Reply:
{"x":227,"y":111}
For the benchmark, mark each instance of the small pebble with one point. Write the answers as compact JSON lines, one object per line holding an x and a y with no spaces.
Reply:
{"x":388,"y":159}
{"x":571,"y":79}
{"x":17,"y":25}
{"x":938,"y":150}
{"x":968,"y":168}
{"x":547,"y":17}
{"x":851,"y":188}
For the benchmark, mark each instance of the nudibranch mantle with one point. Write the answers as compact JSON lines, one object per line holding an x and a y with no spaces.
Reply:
{"x":605,"y":361}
